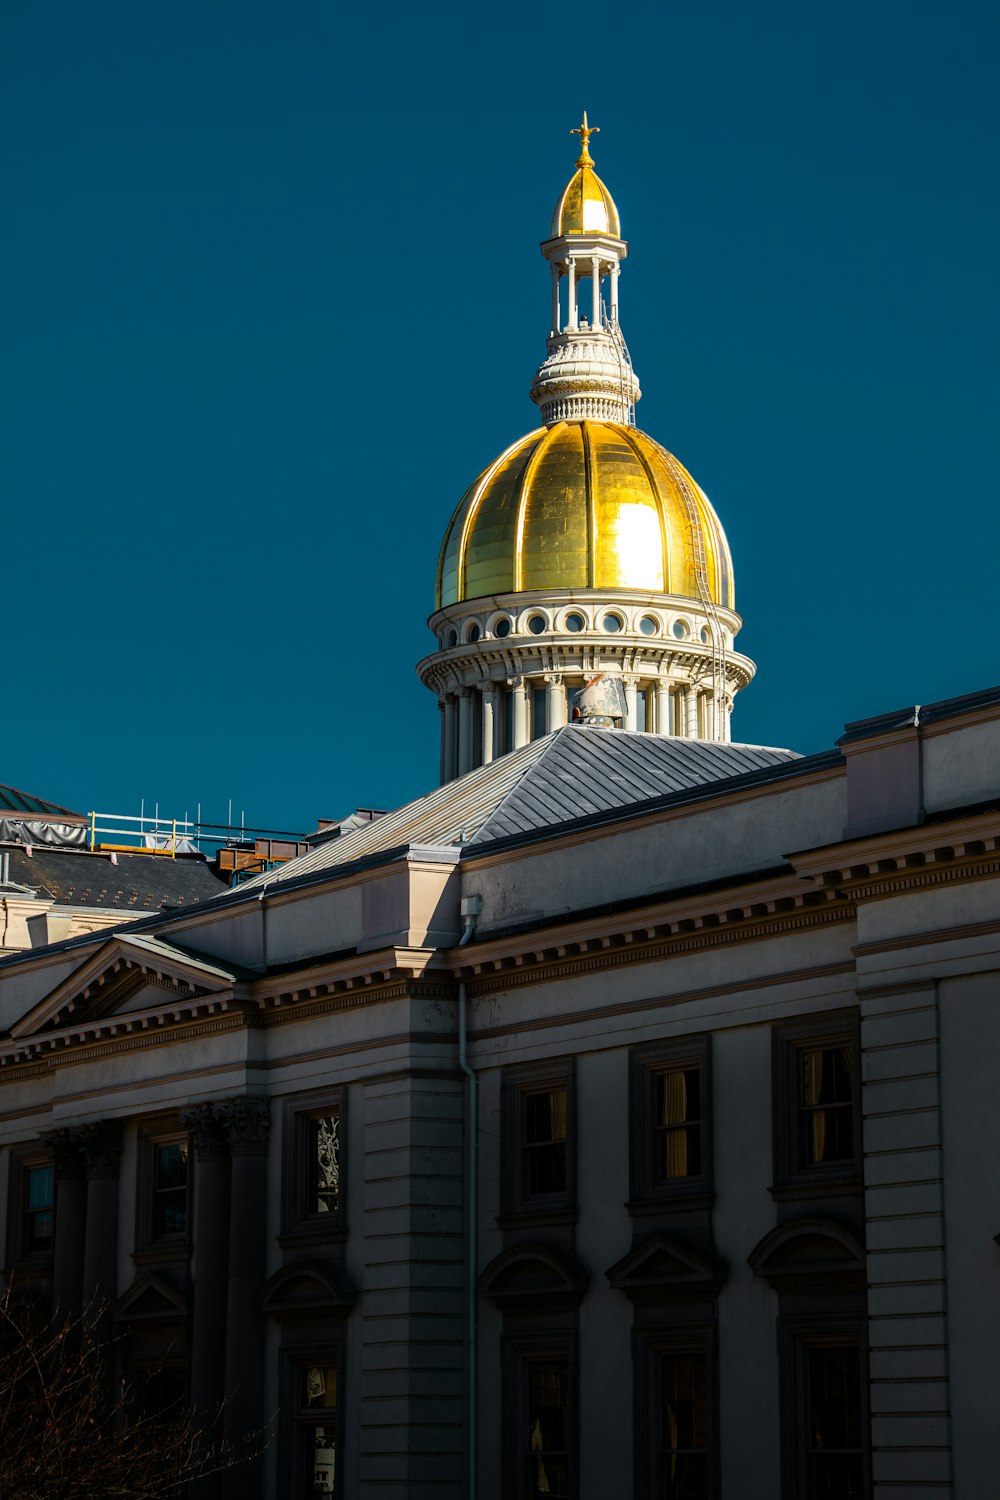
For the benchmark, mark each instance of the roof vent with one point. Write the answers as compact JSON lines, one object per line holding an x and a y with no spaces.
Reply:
{"x":600,"y":703}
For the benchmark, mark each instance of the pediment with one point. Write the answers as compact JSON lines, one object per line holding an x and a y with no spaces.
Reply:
{"x":150,"y":1299}
{"x":809,"y":1253}
{"x":536,"y":1275}
{"x":126,"y":975}
{"x":662,"y":1266}
{"x":307,"y":1287}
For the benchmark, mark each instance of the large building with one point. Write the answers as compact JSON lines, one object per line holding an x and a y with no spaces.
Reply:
{"x":611,"y":1121}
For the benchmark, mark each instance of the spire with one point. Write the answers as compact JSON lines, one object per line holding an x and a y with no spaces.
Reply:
{"x":585,"y":131}
{"x":587,"y":373}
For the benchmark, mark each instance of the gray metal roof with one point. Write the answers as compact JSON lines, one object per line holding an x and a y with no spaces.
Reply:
{"x":574,"y":772}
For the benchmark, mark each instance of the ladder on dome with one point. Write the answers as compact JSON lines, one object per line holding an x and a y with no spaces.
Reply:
{"x":625,"y":374}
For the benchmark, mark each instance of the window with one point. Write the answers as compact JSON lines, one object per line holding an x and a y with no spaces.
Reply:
{"x":31,"y":1215}
{"x":817,"y":1102}
{"x":163,"y":1201}
{"x":676,"y":1414}
{"x":313,"y":1158}
{"x":311,"y":1430}
{"x":539,"y":1458}
{"x":537,"y":1131}
{"x":170,"y":1188}
{"x":683,"y":1423}
{"x":546,"y":1439}
{"x":824,"y":1417}
{"x":671,"y":1120}
{"x":38,"y":1209}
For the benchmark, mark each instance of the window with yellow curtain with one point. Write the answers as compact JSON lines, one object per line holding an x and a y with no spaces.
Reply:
{"x":670,"y":1137}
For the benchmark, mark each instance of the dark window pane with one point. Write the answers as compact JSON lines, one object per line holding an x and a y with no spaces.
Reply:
{"x":835,"y":1423}
{"x":39,"y":1187}
{"x":170,"y":1179}
{"x":548,"y":1428}
{"x":545,"y":1142}
{"x":324,"y":1149}
{"x":826,"y":1104}
{"x":683,"y":1426}
{"x":38,"y":1215}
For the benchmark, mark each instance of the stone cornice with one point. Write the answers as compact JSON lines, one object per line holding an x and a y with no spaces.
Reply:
{"x":646,"y":934}
{"x":961,"y":848}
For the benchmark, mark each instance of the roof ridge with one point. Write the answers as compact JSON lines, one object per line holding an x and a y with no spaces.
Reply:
{"x":547,"y":742}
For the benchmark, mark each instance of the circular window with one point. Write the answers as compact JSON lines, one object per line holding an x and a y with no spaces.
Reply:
{"x":705,"y":637}
{"x":474,"y":633}
{"x":648,"y":625}
{"x":681,"y":629}
{"x":536,"y":624}
{"x":502,"y":628}
{"x":612,"y":624}
{"x":575,"y":623}
{"x":452,"y":638}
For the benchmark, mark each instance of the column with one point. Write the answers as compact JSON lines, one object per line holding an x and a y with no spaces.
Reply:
{"x":614,"y":291}
{"x":571,"y":293}
{"x":690,"y":713}
{"x":595,"y":273}
{"x":465,"y":706}
{"x":211,"y":1231}
{"x":630,"y":715}
{"x":905,"y":1213}
{"x":101,"y":1145}
{"x":247,"y":1125}
{"x":520,"y":706}
{"x":70,"y":1224}
{"x":663,"y":708}
{"x":556,"y":698}
{"x":489,"y":697}
{"x":555,"y":297}
{"x":450,"y":739}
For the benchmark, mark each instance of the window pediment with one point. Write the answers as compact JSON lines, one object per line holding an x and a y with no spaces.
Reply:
{"x":150,"y":1299}
{"x":809,"y":1254}
{"x":535,"y":1276}
{"x":662,"y":1266}
{"x":307,"y":1287}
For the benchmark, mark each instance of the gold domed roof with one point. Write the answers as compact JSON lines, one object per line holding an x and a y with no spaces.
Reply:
{"x":578,"y":505}
{"x":586,"y":206}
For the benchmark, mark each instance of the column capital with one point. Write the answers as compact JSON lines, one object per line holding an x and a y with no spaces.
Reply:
{"x":554,"y":679}
{"x":247,"y":1122}
{"x":66,"y":1147}
{"x":101,"y":1147}
{"x":207,"y":1130}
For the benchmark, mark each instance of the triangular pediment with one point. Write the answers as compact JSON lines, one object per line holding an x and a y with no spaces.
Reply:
{"x":661,"y":1265}
{"x":150,"y":1299}
{"x":127,"y":974}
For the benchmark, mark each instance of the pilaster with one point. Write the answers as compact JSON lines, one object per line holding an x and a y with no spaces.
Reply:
{"x":904,"y":1207}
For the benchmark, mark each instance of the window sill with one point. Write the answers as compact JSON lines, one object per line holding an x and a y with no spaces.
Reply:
{"x":669,"y":1203}
{"x":817,"y":1187}
{"x":162,"y":1253}
{"x":545,"y":1213}
{"x":312,"y":1234}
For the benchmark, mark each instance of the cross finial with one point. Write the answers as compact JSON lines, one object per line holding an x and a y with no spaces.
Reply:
{"x":585,"y":131}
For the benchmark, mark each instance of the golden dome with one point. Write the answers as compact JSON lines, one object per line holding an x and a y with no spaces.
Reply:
{"x":586,"y":206}
{"x":594,"y":505}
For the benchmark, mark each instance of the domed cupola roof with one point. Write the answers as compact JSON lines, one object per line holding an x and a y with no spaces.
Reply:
{"x":584,"y":505}
{"x":585,"y":206}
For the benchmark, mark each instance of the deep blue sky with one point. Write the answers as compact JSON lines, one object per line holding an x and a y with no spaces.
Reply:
{"x":272,"y":297}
